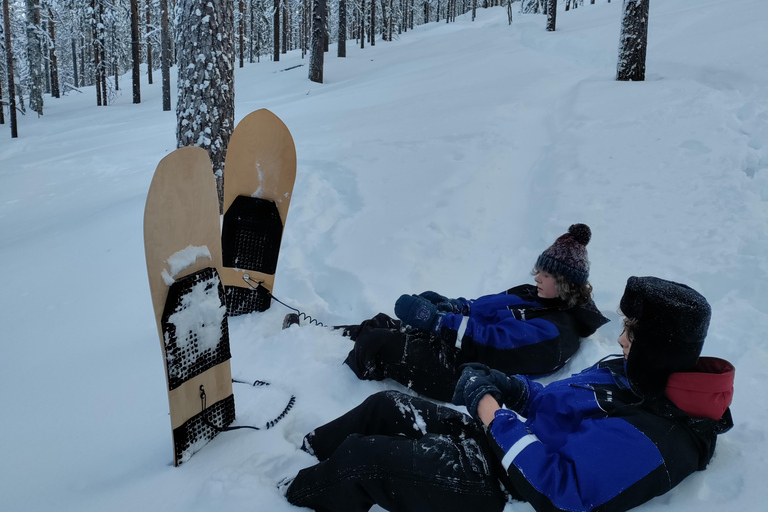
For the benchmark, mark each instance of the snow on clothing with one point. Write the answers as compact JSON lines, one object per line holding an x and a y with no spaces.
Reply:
{"x":589,"y":443}
{"x":403,"y":453}
{"x":514,"y":331}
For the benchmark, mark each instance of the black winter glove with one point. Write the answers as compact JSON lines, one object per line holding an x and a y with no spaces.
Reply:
{"x":473,"y":385}
{"x":418,"y":312}
{"x":443,"y":303}
{"x":513,"y":390}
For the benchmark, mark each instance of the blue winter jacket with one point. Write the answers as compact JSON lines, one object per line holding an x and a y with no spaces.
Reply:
{"x":519,"y":333}
{"x":589,"y":443}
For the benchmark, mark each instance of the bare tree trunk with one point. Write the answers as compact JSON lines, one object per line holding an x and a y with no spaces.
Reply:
{"x":551,"y":14}
{"x":9,"y":70}
{"x":135,"y":52}
{"x":342,"y":47}
{"x":241,"y":39}
{"x":55,"y":89}
{"x":276,"y":21}
{"x":362,"y":24}
{"x":149,"y":41}
{"x":35,"y":57}
{"x":205,"y":109}
{"x":372,"y":27}
{"x":633,"y":41}
{"x":165,"y":55}
{"x":96,"y":51}
{"x":318,"y":41}
{"x":286,"y":42}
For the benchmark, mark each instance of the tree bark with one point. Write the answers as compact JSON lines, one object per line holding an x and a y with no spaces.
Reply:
{"x":241,"y":39}
{"x":633,"y":41}
{"x":342,"y":46}
{"x":285,"y":29}
{"x":318,"y":41}
{"x":372,"y":27}
{"x":205,"y":108}
{"x":149,"y":41}
{"x":35,"y":57}
{"x":551,"y":15}
{"x":9,"y":70}
{"x":165,"y":55}
{"x":362,"y":24}
{"x":96,"y":51}
{"x":135,"y":52}
{"x":276,"y":49}
{"x":55,"y":89}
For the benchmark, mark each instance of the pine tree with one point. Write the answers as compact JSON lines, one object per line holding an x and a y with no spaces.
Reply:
{"x":551,"y":14}
{"x":35,"y":57}
{"x":319,"y":16}
{"x":205,"y":108}
{"x":165,"y":54}
{"x":9,"y":69}
{"x":342,"y":47}
{"x":135,"y":51}
{"x":633,"y":41}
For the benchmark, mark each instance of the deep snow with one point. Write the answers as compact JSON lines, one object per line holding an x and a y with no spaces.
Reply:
{"x":446,"y":160}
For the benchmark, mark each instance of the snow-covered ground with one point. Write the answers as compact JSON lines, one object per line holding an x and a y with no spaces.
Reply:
{"x":446,"y":160}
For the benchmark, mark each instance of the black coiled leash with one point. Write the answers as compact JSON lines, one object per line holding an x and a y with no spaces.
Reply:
{"x":301,"y":314}
{"x":267,"y":426}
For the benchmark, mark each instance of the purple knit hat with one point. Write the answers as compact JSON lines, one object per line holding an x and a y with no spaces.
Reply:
{"x":567,"y":257}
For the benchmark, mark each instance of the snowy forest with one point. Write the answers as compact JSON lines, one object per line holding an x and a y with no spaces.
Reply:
{"x":439,"y":145}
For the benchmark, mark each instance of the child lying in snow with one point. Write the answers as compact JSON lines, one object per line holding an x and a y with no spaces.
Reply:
{"x":609,"y":438}
{"x":525,"y":330}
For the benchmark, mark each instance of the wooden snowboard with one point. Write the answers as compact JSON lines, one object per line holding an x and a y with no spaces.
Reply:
{"x":183,"y":250}
{"x":259,"y":173}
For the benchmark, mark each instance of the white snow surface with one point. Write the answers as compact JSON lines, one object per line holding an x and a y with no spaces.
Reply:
{"x":445,"y":160}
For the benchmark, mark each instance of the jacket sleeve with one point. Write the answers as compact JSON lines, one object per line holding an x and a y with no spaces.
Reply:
{"x":507,"y":333}
{"x":593,"y":467}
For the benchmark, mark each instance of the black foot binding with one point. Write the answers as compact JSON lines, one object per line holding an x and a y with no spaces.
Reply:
{"x":284,"y":484}
{"x":290,"y":319}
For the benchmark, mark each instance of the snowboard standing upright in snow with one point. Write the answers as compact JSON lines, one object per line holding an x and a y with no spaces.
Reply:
{"x":260,"y":170}
{"x":183,"y":252}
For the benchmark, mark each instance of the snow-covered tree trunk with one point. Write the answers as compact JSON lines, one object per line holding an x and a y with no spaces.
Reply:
{"x":9,"y":69}
{"x":319,"y":16}
{"x":342,"y":40}
{"x":135,"y":51}
{"x":551,"y":14}
{"x":165,"y":54}
{"x":205,"y":108}
{"x":35,"y":57}
{"x":372,"y":26}
{"x":633,"y":41}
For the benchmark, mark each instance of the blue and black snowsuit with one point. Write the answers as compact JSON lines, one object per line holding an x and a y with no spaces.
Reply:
{"x":515,"y":332}
{"x":588,"y":444}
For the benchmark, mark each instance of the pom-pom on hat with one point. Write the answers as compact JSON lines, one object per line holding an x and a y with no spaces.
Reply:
{"x":568,"y":257}
{"x":672,"y":322}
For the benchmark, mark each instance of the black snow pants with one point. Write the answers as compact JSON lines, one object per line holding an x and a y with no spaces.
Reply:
{"x":418,"y":360}
{"x":403,"y":454}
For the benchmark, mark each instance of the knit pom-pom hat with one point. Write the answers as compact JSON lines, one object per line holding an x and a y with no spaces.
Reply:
{"x":672,"y":322}
{"x":568,"y":257}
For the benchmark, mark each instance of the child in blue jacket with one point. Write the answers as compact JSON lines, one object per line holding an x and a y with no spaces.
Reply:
{"x":528,"y":329}
{"x":609,"y":438}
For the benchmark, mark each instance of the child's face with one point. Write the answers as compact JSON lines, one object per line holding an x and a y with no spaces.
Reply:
{"x":625,"y":342}
{"x":546,"y":285}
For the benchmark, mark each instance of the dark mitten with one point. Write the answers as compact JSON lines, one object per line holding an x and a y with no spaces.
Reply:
{"x":473,"y":385}
{"x":514,"y":391}
{"x":433,"y":297}
{"x":417,"y":312}
{"x":443,"y":303}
